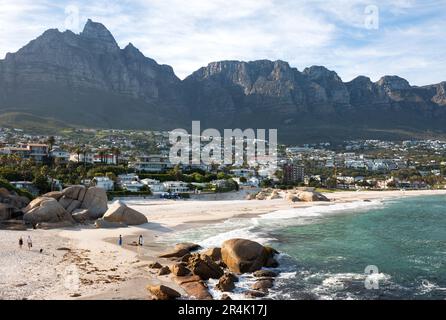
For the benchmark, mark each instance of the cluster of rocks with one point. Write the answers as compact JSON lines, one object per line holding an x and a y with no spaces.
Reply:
{"x":267,"y":194}
{"x":11,"y":205}
{"x":191,"y":269}
{"x":305,"y":196}
{"x":296,"y":195}
{"x":75,"y":204}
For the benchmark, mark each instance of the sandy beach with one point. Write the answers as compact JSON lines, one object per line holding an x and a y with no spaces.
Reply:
{"x":87,"y":263}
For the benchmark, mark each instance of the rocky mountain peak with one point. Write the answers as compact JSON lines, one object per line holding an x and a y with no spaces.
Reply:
{"x":394,"y":83}
{"x":97,"y":33}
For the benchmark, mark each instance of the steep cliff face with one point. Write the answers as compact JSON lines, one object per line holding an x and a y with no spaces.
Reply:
{"x":87,"y":80}
{"x":62,"y":74}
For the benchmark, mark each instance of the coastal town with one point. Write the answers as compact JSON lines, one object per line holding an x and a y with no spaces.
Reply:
{"x":136,"y":163}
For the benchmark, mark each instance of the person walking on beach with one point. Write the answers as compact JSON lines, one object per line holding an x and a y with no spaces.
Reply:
{"x":30,"y":243}
{"x":21,"y":242}
{"x":141,"y":241}
{"x":120,"y":241}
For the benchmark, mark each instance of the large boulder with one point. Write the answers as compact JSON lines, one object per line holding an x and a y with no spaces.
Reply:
{"x":197,"y":290}
{"x":5,"y":211}
{"x":308,"y":196}
{"x":241,"y":255}
{"x":54,"y":194}
{"x":74,"y":205}
{"x":81,"y":215}
{"x":214,"y":253}
{"x":226,"y":283}
{"x":95,"y":200}
{"x":204,"y":267}
{"x":65,"y":202}
{"x":179,"y":270}
{"x":119,"y":212}
{"x":181,"y":250}
{"x":163,"y":293}
{"x":47,"y":210}
{"x":12,"y":204}
{"x":75,"y":192}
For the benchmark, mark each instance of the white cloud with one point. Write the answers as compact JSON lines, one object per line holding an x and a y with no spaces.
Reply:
{"x":190,"y":34}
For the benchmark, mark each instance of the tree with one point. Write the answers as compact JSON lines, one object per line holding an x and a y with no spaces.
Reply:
{"x":51,"y":141}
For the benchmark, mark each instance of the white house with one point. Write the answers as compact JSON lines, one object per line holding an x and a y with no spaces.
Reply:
{"x":60,"y":154}
{"x":154,"y":185}
{"x":176,"y":186}
{"x":127,"y":178}
{"x":103,"y":183}
{"x":133,"y":186}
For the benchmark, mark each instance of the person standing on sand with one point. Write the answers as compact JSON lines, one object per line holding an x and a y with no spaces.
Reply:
{"x":120,"y":241}
{"x":30,"y":243}
{"x":141,"y":241}
{"x":21,"y":242}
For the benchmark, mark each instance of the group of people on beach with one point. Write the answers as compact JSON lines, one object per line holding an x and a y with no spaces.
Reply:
{"x":28,"y":241}
{"x":140,"y":240}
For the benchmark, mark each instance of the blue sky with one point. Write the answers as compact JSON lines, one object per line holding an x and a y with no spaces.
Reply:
{"x":406,"y":39}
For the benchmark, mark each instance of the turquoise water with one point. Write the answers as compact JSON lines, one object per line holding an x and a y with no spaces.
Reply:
{"x":405,"y":239}
{"x":325,"y":250}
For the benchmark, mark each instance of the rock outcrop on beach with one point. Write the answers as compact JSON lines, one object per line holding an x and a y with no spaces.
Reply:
{"x":305,"y":196}
{"x":162,"y":292}
{"x":45,"y":210}
{"x":241,"y":255}
{"x":191,"y":270}
{"x":11,"y":204}
{"x":79,"y":204}
{"x":119,"y":212}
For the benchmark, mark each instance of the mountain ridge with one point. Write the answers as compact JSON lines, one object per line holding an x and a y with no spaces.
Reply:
{"x":87,"y":80}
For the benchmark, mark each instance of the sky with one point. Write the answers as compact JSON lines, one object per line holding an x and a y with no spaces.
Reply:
{"x":351,"y":37}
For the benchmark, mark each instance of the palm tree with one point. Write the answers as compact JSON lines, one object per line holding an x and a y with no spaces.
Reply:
{"x":116,"y":152}
{"x":51,"y":141}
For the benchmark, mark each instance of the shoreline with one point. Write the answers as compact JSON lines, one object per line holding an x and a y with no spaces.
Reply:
{"x":107,"y":271}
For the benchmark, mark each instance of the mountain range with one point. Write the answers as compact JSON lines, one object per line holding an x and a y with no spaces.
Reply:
{"x":63,"y":79}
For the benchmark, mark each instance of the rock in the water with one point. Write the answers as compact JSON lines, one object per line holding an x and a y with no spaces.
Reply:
{"x":46,"y":210}
{"x":197,"y":290}
{"x":101,"y":223}
{"x":186,"y":279}
{"x":254,"y":294}
{"x":226,"y":283}
{"x":95,"y":200}
{"x":164,"y":271}
{"x":265,"y":274}
{"x":263,"y":285}
{"x":180,"y":270}
{"x":119,"y":212}
{"x":175,"y":254}
{"x":162,"y":292}
{"x":214,"y":253}
{"x":241,"y":255}
{"x":204,"y":267}
{"x":155,"y":265}
{"x":181,"y":250}
{"x":224,"y":296}
{"x":187,"y":246}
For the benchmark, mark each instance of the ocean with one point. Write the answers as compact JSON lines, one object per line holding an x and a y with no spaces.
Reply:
{"x":326,"y":250}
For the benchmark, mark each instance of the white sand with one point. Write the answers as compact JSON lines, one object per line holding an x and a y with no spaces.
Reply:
{"x":96,"y":267}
